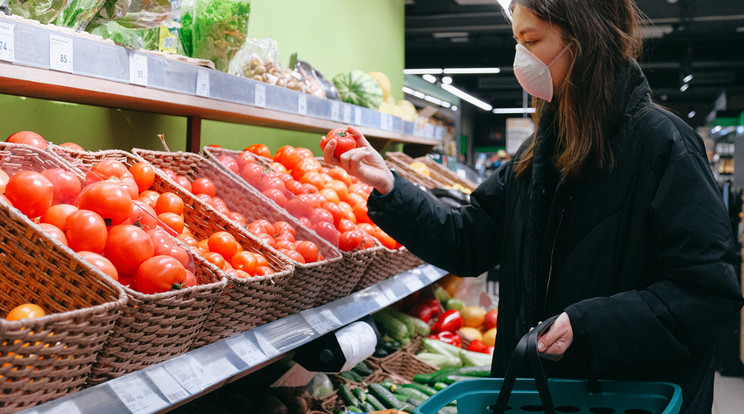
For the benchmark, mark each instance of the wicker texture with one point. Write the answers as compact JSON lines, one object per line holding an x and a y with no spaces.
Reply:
{"x":347,"y":274}
{"x":46,"y":358}
{"x":445,"y":175}
{"x":304,"y":285}
{"x":388,"y":263}
{"x":154,"y":327}
{"x":406,"y":365}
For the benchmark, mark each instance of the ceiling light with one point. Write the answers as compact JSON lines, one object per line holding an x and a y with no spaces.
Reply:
{"x":433,"y":100}
{"x":467,"y":97}
{"x":443,"y":35}
{"x":507,"y":12}
{"x":429,"y":78}
{"x":684,"y":87}
{"x":447,"y":80}
{"x":715,"y":129}
{"x":445,"y":104}
{"x":656,"y":32}
{"x":687,"y":78}
{"x":671,"y":1}
{"x":513,"y":110}
{"x":470,"y":71}
{"x":422,"y":71}
{"x":740,"y":29}
{"x":691,"y":114}
{"x":454,"y":107}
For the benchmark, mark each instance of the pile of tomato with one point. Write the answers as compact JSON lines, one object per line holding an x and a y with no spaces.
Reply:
{"x":327,"y":200}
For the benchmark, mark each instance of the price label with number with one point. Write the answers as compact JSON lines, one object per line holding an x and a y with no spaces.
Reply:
{"x":265,"y":345}
{"x":431,"y":273}
{"x":60,"y":53}
{"x":302,"y":104}
{"x":7,"y":41}
{"x":66,"y":407}
{"x":412,"y":282}
{"x":380,"y":298}
{"x":335,"y":111}
{"x":247,"y":350}
{"x":137,"y":395}
{"x":216,"y":371}
{"x":185,"y":371}
{"x":260,"y":96}
{"x":202,"y":83}
{"x":138,"y":69}
{"x":357,"y":116}
{"x":167,"y":385}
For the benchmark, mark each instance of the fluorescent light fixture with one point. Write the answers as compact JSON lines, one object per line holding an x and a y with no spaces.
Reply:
{"x":740,"y":29}
{"x":433,"y":100}
{"x":429,"y":78}
{"x":684,"y":87}
{"x":716,"y":129}
{"x":444,"y":35}
{"x":422,"y":71}
{"x":467,"y":97}
{"x":513,"y":110}
{"x":470,"y":71}
{"x":740,"y":130}
{"x":445,"y":104}
{"x":656,"y":32}
{"x":687,"y":78}
{"x":505,"y":5}
{"x":691,"y":114}
{"x":454,"y":107}
{"x":447,"y":80}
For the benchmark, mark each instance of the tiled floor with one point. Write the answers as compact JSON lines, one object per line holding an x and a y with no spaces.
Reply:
{"x":729,"y":395}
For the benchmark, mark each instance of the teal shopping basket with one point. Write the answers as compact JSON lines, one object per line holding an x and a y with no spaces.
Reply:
{"x":538,"y":395}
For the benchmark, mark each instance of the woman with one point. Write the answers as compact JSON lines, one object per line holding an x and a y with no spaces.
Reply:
{"x":608,"y":215}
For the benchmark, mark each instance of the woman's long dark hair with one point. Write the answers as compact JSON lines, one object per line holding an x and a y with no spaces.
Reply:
{"x":601,"y":35}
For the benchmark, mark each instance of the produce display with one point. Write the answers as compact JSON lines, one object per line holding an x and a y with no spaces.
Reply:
{"x":358,"y":88}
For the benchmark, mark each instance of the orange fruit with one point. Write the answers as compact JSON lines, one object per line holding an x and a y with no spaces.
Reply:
{"x":473,"y":316}
{"x":489,"y":337}
{"x":25,"y":311}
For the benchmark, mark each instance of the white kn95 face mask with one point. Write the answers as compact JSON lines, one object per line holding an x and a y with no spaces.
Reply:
{"x":533,"y":74}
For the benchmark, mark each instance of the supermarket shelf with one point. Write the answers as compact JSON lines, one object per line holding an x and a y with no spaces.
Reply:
{"x":38,"y":62}
{"x":164,"y":386}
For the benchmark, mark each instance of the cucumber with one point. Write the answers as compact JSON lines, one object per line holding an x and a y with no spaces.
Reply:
{"x":354,"y":409}
{"x":412,"y":392}
{"x":393,"y":327}
{"x":371,"y":399}
{"x":360,"y":394}
{"x":347,"y":396}
{"x":421,"y":387}
{"x":439,"y":386}
{"x":440,"y":375}
{"x":368,"y":408}
{"x":385,"y":396}
{"x":351,"y":376}
{"x":389,"y":385}
{"x":401,"y":397}
{"x":447,"y":410}
{"x":479,"y":372}
{"x":414,"y":402}
{"x":449,"y":379}
{"x":423,"y":378}
{"x":362,"y":369}
{"x":412,"y":323}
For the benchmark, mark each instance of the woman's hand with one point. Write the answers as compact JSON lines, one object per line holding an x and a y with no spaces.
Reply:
{"x":554,"y":343}
{"x":362,"y":162}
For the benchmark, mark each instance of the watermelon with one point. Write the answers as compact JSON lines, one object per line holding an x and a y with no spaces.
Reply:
{"x":358,"y":88}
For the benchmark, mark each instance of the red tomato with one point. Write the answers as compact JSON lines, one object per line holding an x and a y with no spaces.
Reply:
{"x":491,"y":318}
{"x":230,"y":162}
{"x":303,"y":153}
{"x":245,"y":261}
{"x":66,"y":185}
{"x":238,"y":218}
{"x":108,"y":170}
{"x":29,"y":138}
{"x":344,"y":141}
{"x":244,"y":158}
{"x":160,"y":274}
{"x":276,"y":195}
{"x":149,"y":197}
{"x":30,"y":192}
{"x":109,"y":200}
{"x":346,"y":225}
{"x":86,"y":230}
{"x":216,"y":259}
{"x":263,"y":271}
{"x":190,"y":279}
{"x":183,"y":182}
{"x":220,"y":205}
{"x":284,"y":235}
{"x":101,"y":263}
{"x":169,"y":203}
{"x":4,"y":178}
{"x":308,"y":250}
{"x":173,"y":221}
{"x":161,"y":241}
{"x":360,"y":212}
{"x":282,"y":226}
{"x":351,"y":240}
{"x":204,"y":185}
{"x":284,"y":244}
{"x":142,"y":216}
{"x":338,"y":173}
{"x":294,"y":186}
{"x":262,"y":226}
{"x":305,"y":222}
{"x":57,"y":215}
{"x":143,"y":174}
{"x":267,"y":239}
{"x":169,"y":173}
{"x":72,"y":146}
{"x":322,"y":214}
{"x":298,"y":208}
{"x":261,"y":259}
{"x":179,"y":253}
{"x":54,"y":232}
{"x":259,"y":149}
{"x":223,"y":243}
{"x":305,"y":166}
{"x":286,"y":156}
{"x":127,"y":247}
{"x":327,"y":231}
{"x":330,"y":195}
{"x":294,"y":255}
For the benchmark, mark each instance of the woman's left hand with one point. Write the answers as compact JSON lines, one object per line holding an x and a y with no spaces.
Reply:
{"x":554,"y":343}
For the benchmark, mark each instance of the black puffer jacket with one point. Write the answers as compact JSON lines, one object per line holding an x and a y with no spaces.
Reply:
{"x":640,"y":257}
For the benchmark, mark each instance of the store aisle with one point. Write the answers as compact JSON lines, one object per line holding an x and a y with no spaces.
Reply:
{"x":729,"y":395}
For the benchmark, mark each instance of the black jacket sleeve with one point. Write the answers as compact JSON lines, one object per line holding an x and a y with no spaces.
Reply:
{"x":464,"y":241}
{"x":693,"y":289}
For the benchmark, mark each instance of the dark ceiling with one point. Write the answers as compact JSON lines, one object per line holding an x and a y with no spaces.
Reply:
{"x":702,"y":37}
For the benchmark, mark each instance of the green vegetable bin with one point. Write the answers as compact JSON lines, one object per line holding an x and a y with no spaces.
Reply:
{"x":527,"y":395}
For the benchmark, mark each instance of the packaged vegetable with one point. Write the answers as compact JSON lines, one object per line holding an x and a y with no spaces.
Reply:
{"x":79,"y":13}
{"x":358,"y":88}
{"x":44,"y":11}
{"x":320,"y":385}
{"x":218,"y":28}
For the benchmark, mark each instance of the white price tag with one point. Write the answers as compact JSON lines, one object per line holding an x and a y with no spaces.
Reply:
{"x":383,"y":121}
{"x":216,"y":371}
{"x":390,"y":294}
{"x":265,"y":345}
{"x":60,"y":53}
{"x":185,"y":371}
{"x":202,"y":83}
{"x":335,"y":110}
{"x":302,"y":104}
{"x":247,"y":350}
{"x":167,"y":385}
{"x":380,"y":298}
{"x":347,"y":114}
{"x":67,"y":407}
{"x":431,"y":273}
{"x":321,"y":321}
{"x":357,"y":116}
{"x":412,"y":282}
{"x":138,"y":69}
{"x":260,"y":96}
{"x":7,"y":41}
{"x":137,"y":395}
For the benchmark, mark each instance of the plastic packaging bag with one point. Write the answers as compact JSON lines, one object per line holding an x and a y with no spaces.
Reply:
{"x":138,"y":13}
{"x":257,"y":59}
{"x":45,"y":11}
{"x":79,"y":13}
{"x":317,"y":84}
{"x":215,"y":29}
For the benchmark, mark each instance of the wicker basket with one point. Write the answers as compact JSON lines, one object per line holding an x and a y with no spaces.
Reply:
{"x":445,"y":175}
{"x":49,"y":357}
{"x":307,"y":280}
{"x":406,"y":365}
{"x":350,"y":269}
{"x":411,"y":175}
{"x":389,"y":262}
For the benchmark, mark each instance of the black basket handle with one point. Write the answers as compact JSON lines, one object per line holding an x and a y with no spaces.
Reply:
{"x":527,"y":349}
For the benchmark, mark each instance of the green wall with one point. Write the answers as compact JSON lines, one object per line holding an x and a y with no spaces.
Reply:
{"x":332,"y":35}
